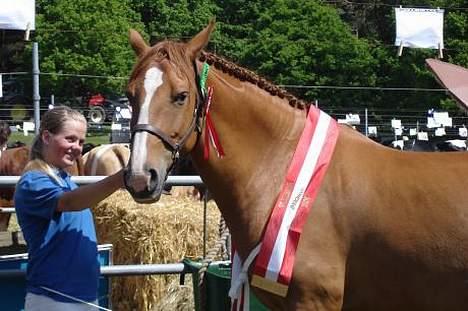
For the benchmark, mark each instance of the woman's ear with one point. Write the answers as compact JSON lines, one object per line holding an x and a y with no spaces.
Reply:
{"x":45,"y":137}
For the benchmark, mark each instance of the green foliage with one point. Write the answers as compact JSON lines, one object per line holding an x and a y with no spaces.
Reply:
{"x":306,"y":43}
{"x":174,"y":19}
{"x":84,"y":37}
{"x":376,"y":22}
{"x":290,"y":42}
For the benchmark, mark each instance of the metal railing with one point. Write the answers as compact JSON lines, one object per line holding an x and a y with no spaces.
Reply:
{"x":113,"y":270}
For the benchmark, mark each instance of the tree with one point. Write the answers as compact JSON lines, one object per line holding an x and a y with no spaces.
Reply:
{"x":376,"y":22}
{"x":306,"y":43}
{"x":82,"y":37}
{"x":174,"y":19}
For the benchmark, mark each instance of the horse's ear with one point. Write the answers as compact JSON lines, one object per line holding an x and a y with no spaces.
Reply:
{"x":137,"y":42}
{"x":200,"y":40}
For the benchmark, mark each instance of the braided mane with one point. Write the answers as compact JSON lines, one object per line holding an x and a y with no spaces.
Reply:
{"x":246,"y":75}
{"x":175,"y":51}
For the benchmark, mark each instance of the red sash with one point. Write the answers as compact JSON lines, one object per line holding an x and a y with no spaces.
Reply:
{"x":275,"y":262}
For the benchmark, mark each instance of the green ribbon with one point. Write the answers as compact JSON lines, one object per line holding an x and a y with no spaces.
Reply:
{"x":204,"y":77}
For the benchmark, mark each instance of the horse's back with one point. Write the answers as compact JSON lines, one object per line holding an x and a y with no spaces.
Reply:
{"x":106,"y":159}
{"x":391,"y":224}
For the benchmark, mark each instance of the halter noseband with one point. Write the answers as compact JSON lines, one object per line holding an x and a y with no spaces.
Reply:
{"x":175,"y":146}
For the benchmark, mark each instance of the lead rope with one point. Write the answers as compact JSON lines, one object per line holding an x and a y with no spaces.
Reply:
{"x":210,"y":256}
{"x":74,"y":298}
{"x":212,"y":252}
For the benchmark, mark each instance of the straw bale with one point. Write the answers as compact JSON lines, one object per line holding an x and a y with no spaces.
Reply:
{"x":163,"y":232}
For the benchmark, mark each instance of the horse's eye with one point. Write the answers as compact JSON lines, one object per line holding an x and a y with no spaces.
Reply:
{"x":180,"y":98}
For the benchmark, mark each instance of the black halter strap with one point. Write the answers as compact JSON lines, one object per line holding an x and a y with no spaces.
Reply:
{"x":175,"y":146}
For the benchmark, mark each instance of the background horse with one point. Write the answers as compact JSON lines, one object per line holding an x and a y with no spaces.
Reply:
{"x":105,"y":160}
{"x":388,"y":229}
{"x":5,"y":133}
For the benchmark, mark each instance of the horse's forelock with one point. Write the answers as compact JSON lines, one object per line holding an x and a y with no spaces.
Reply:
{"x":175,"y":52}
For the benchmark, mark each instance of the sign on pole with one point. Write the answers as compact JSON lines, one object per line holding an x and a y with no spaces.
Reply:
{"x":17,"y":14}
{"x":419,"y":28}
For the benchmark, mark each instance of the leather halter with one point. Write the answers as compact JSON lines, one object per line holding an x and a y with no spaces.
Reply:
{"x":175,"y":146}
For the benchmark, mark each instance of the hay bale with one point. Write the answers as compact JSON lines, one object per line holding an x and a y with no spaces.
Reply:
{"x":178,"y":297}
{"x":163,"y":232}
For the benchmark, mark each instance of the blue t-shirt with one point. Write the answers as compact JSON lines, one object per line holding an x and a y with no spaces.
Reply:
{"x":62,"y":246}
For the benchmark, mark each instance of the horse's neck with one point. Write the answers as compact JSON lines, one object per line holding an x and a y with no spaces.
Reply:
{"x":258,"y":133}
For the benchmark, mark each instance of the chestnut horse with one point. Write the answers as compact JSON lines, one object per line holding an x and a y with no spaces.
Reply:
{"x":388,"y":229}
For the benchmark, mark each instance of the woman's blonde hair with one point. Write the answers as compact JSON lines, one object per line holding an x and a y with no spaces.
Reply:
{"x":52,"y":121}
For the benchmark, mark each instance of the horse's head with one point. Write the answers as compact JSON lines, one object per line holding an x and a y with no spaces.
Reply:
{"x":165,"y":97}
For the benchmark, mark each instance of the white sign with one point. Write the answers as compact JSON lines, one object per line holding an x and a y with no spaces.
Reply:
{"x":351,"y":119}
{"x":16,"y":15}
{"x":412,"y":132}
{"x":28,"y":127}
{"x":443,"y":118}
{"x":398,"y":144}
{"x":419,"y":28}
{"x":431,"y":123}
{"x":125,"y":113}
{"x":398,"y":131}
{"x":423,"y":136}
{"x":116,"y":126}
{"x":396,"y":124}
{"x":372,"y":130}
{"x":463,"y":132}
{"x":440,"y":131}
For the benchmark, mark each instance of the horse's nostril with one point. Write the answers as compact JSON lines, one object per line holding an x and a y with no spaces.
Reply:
{"x":153,"y":179}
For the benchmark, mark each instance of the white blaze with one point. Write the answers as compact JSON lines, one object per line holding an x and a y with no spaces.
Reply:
{"x":153,"y":79}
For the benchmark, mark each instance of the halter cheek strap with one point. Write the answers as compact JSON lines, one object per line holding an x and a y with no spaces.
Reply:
{"x":174,"y":146}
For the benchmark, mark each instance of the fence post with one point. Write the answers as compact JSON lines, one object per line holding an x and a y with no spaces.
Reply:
{"x":36,"y":96}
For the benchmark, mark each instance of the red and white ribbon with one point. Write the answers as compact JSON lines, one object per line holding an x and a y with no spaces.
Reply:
{"x":210,"y":132}
{"x":276,"y":253}
{"x":275,"y":262}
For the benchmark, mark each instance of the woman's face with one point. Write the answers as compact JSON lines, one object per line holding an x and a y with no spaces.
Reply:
{"x":62,"y":149}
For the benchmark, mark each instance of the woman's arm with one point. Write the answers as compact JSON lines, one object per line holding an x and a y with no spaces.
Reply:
{"x":89,"y":195}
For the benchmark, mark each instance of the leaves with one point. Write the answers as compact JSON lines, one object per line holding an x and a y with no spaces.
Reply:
{"x":84,"y":37}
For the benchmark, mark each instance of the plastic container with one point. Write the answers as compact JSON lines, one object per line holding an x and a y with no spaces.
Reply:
{"x":217,"y":281}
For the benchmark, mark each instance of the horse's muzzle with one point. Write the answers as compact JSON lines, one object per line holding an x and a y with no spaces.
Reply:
{"x":144,"y":186}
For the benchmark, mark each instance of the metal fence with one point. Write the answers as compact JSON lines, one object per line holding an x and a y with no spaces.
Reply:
{"x":114,"y":270}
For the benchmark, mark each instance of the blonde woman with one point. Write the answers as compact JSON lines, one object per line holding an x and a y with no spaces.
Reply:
{"x":55,"y":217}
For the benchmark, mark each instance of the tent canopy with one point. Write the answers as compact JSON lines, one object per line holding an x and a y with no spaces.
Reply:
{"x":454,"y":78}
